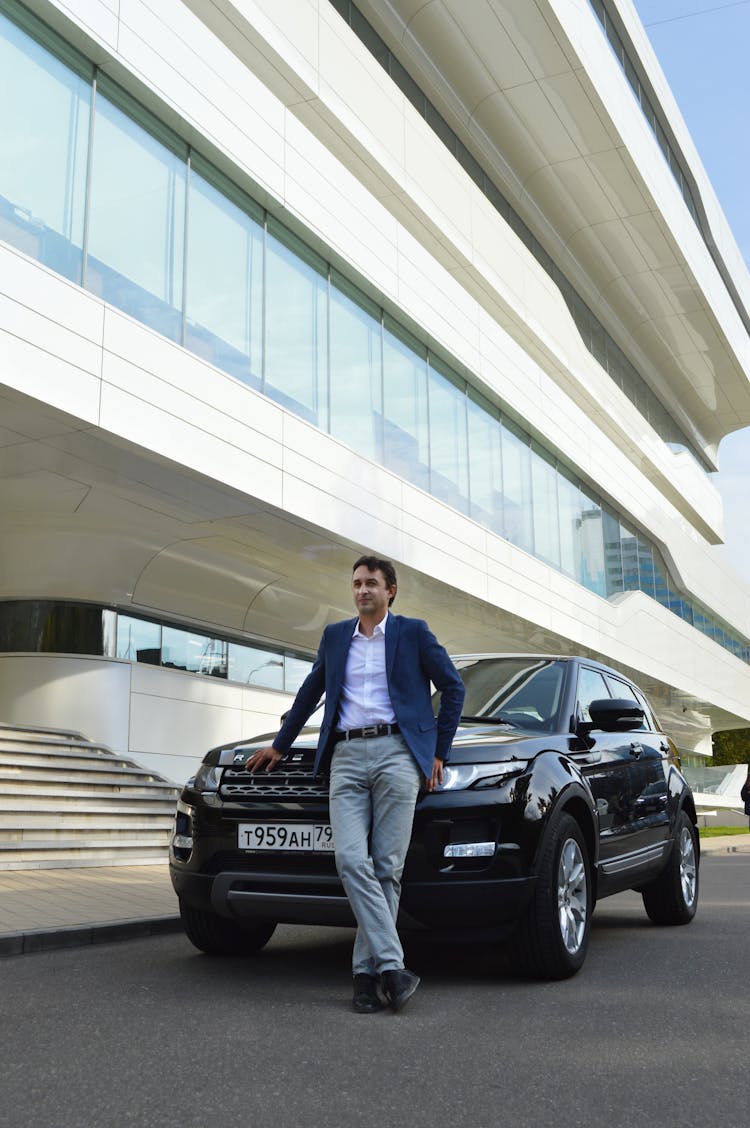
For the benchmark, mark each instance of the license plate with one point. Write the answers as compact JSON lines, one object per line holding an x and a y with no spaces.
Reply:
{"x":295,"y":838}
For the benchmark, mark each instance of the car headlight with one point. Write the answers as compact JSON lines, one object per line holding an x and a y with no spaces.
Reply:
{"x":208,"y":777}
{"x":457,"y":777}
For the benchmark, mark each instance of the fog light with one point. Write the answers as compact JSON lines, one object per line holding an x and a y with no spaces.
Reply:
{"x":182,"y":842}
{"x":469,"y":850}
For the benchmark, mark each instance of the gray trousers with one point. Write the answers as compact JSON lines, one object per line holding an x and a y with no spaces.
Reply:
{"x":373,"y":792}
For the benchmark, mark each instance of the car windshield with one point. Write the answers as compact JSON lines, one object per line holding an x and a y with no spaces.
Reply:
{"x":519,"y":691}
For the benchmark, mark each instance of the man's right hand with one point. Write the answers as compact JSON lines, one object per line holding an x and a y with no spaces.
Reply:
{"x":269,"y":756}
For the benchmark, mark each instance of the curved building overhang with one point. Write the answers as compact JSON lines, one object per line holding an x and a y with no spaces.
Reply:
{"x":543,"y":103}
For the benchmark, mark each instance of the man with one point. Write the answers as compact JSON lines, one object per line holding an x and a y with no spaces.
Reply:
{"x":381,"y":740}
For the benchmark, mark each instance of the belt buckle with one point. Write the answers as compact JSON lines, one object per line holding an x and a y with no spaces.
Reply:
{"x":371,"y":730}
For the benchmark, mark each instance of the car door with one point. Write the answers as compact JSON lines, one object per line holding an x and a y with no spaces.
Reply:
{"x":648,"y":750}
{"x":607,"y":764}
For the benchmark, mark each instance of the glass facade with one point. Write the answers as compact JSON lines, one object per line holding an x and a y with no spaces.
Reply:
{"x":54,"y":627}
{"x":165,"y":237}
{"x":595,"y":337}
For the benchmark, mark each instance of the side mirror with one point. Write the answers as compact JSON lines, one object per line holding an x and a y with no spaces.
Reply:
{"x":616,"y":714}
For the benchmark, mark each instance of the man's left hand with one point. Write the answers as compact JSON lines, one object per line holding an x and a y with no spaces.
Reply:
{"x":435,"y":780}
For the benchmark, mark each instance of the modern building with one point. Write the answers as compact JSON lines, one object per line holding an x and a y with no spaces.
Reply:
{"x":285,"y":281}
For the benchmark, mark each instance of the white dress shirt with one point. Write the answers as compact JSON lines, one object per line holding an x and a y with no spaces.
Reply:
{"x":364,"y":695}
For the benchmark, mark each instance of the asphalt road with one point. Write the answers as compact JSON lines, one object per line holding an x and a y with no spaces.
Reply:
{"x":149,"y":1032}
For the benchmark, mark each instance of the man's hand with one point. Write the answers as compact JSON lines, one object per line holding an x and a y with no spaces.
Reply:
{"x":268,"y":755}
{"x":435,"y":780}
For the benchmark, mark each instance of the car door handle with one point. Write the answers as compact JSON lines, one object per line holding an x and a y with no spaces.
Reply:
{"x":636,"y":749}
{"x":589,"y":758}
{"x":664,"y":747}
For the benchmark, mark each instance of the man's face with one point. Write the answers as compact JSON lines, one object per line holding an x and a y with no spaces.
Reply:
{"x":370,"y":593}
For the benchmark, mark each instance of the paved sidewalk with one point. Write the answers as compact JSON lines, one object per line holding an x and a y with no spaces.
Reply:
{"x":41,"y":909}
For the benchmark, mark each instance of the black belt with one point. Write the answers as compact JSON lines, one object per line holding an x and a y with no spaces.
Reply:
{"x":370,"y":731}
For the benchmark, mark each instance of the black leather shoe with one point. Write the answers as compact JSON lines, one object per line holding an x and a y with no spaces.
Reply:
{"x":399,"y":986}
{"x":366,"y":998}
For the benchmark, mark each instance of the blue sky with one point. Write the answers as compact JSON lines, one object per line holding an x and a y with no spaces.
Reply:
{"x":703,"y":47}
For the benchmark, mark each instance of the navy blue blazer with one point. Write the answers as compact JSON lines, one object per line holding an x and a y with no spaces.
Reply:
{"x":413,"y":659}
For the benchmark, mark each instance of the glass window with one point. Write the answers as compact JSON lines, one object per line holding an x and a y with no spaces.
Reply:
{"x":592,"y":571}
{"x":356,"y":363}
{"x":405,"y":405}
{"x":295,"y":672}
{"x":546,"y":515}
{"x":569,"y":506}
{"x":646,"y":575}
{"x":253,"y":666}
{"x":591,"y":687}
{"x":43,"y":155}
{"x":196,"y":653}
{"x":224,"y":277}
{"x":449,"y":457}
{"x":485,"y":463}
{"x":661,"y":580}
{"x":138,"y":640}
{"x":613,"y":564}
{"x":517,"y":508}
{"x":624,"y":692}
{"x":296,"y":326}
{"x":137,"y":216}
{"x":629,"y":548}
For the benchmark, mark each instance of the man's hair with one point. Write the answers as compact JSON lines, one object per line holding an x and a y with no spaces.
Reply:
{"x":375,"y":564}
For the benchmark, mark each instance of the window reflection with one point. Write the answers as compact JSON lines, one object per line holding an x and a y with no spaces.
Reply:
{"x":356,"y":361}
{"x":517,"y":486}
{"x":296,"y":330}
{"x":138,"y":640}
{"x":544,"y":509}
{"x":224,"y":281}
{"x":136,"y":218}
{"x":449,"y":456}
{"x":405,"y":406}
{"x":253,"y":666}
{"x":485,"y":463}
{"x":46,"y":107}
{"x":185,"y":650}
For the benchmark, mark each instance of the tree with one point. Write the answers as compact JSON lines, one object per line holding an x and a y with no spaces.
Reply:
{"x":731,"y":747}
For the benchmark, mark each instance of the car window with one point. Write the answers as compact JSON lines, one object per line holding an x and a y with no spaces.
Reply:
{"x":591,"y":687}
{"x":651,"y":720}
{"x":522,"y":691}
{"x":622,"y":689}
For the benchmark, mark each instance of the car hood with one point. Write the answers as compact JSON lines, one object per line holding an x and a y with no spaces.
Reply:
{"x":472,"y":744}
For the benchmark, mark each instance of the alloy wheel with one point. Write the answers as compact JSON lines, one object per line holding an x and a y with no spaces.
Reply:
{"x":572,"y":895}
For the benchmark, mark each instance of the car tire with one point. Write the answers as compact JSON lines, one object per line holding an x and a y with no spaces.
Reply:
{"x":672,"y":897}
{"x":551,"y":940}
{"x":218,"y":936}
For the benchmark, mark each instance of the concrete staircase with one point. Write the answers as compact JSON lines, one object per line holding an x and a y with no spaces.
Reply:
{"x":67,"y":802}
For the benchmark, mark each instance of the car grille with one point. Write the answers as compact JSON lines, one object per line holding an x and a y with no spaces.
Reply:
{"x":295,"y":783}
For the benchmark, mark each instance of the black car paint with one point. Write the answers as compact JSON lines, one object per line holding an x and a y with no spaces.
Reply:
{"x":598,"y":777}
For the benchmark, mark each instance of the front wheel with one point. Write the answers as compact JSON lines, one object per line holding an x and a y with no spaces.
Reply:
{"x":218,"y":936}
{"x":551,"y":940}
{"x":672,"y":897}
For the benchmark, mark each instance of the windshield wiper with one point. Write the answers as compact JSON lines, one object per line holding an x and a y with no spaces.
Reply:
{"x":490,"y":721}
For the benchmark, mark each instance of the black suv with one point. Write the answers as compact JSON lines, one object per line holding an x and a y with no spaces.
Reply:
{"x":561,"y":788}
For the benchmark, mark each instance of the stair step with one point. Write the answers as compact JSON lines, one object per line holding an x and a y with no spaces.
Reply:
{"x":79,"y":761}
{"x":34,"y":783}
{"x":9,"y":730}
{"x":46,"y":742}
{"x":119,"y":843}
{"x":11,"y":828}
{"x":67,"y":802}
{"x":145,"y":802}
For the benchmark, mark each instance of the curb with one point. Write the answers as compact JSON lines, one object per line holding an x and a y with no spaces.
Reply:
{"x":79,"y":935}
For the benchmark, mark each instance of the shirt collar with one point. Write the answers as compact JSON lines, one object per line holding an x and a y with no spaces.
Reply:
{"x":379,"y":627}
